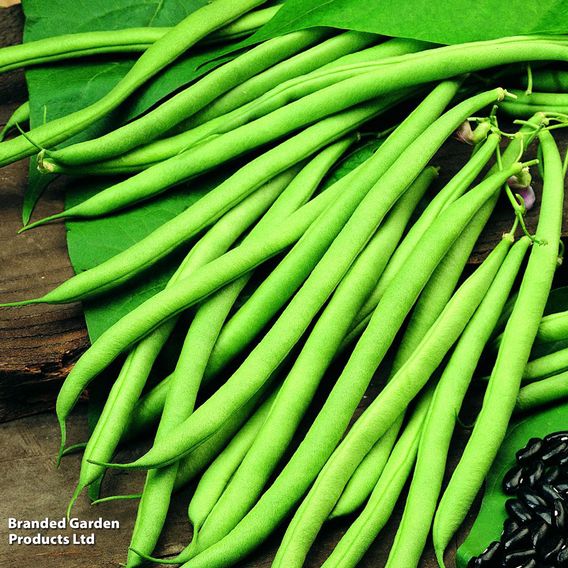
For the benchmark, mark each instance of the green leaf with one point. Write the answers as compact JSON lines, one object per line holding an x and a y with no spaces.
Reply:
{"x":449,"y":22}
{"x":489,"y":522}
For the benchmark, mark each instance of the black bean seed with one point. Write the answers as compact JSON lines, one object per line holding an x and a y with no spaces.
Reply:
{"x":550,"y":493}
{"x":563,"y":461}
{"x":550,"y":552}
{"x":562,"y":488}
{"x":553,"y":453}
{"x":492,"y":552}
{"x":555,"y":436}
{"x":533,"y":500}
{"x":534,"y":474}
{"x":545,"y":515}
{"x":562,"y":557}
{"x":513,"y":480}
{"x":517,"y":539}
{"x":510,"y":526}
{"x":530,"y":564}
{"x":530,"y":451}
{"x":551,"y":474}
{"x":519,"y":558}
{"x":559,"y":514}
{"x":518,"y":511}
{"x":538,"y":534}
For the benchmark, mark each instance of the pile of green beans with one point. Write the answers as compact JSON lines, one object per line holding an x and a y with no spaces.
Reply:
{"x":327,"y":262}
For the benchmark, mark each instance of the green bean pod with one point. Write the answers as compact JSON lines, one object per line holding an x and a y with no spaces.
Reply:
{"x":317,"y":288}
{"x":456,"y":187}
{"x":547,"y":365}
{"x":218,"y":475}
{"x":546,"y":391}
{"x":160,"y":54}
{"x":364,"y":530}
{"x":519,"y":335}
{"x":282,"y":93}
{"x":326,"y":432}
{"x":429,"y":306}
{"x":523,"y":110}
{"x":384,"y":410}
{"x":19,"y":117}
{"x":128,"y":387}
{"x":550,"y":80}
{"x":440,"y":423}
{"x":188,"y":101}
{"x":209,"y":208}
{"x":194,"y":356}
{"x":334,"y":52}
{"x":309,"y":368}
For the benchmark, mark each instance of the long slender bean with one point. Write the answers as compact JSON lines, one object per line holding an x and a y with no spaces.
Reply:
{"x":218,"y":475}
{"x":450,"y":392}
{"x":188,"y":101}
{"x":546,"y":391}
{"x":363,"y":531}
{"x":547,"y":365}
{"x":317,"y":288}
{"x":453,"y":189}
{"x":379,"y":416}
{"x":196,"y":350}
{"x":208,"y":209}
{"x":132,"y":378}
{"x":503,"y":388}
{"x":150,"y":182}
{"x":429,"y":306}
{"x":302,"y":381}
{"x":332,"y":52}
{"x":326,"y":432}
{"x":283,"y":93}
{"x":160,"y":54}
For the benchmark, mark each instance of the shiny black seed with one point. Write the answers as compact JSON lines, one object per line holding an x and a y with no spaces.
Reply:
{"x":519,"y":511}
{"x":562,"y":488}
{"x":534,"y":474}
{"x":530,"y":451}
{"x":513,"y":480}
{"x":492,"y":552}
{"x":553,"y":453}
{"x":555,"y":436}
{"x":563,"y":461}
{"x":519,"y":558}
{"x":562,"y":557}
{"x":545,"y":515}
{"x":551,"y":474}
{"x":533,"y":500}
{"x":530,"y":564}
{"x":550,"y":493}
{"x":538,"y":534}
{"x":510,"y":526}
{"x":517,"y":539}
{"x":559,"y":514}
{"x":550,"y":552}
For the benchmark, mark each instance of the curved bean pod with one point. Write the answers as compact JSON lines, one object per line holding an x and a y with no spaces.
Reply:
{"x":435,"y":442}
{"x":309,"y":368}
{"x":326,"y":432}
{"x":321,"y":282}
{"x":160,"y":54}
{"x":384,"y":410}
{"x":551,"y":389}
{"x":512,"y":358}
{"x":364,"y":530}
{"x":547,"y":365}
{"x":209,"y":208}
{"x":456,"y":187}
{"x":188,"y":101}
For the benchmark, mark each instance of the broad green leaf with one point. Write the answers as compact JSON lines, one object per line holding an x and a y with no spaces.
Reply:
{"x":489,"y":522}
{"x":449,"y":22}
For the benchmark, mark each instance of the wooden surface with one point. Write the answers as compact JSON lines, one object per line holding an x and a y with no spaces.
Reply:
{"x":38,"y":345}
